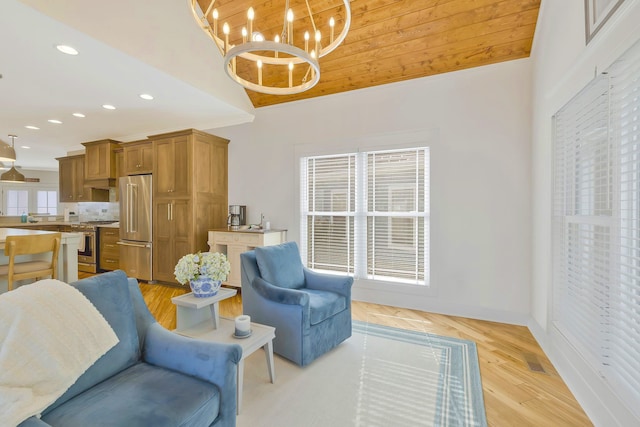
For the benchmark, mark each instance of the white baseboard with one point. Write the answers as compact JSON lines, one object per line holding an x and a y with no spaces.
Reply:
{"x":602,"y":406}
{"x":430,"y":303}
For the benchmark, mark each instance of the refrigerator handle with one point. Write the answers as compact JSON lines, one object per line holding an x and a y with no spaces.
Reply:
{"x":134,"y":245}
{"x":134,"y":208}
{"x":128,"y":208}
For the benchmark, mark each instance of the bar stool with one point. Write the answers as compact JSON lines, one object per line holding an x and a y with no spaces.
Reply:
{"x":30,"y":245}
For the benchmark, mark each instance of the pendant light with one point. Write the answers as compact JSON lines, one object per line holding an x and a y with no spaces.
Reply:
{"x":12,"y":175}
{"x":7,"y":152}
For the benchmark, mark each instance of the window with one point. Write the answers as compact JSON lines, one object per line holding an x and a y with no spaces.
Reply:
{"x":596,"y":224}
{"x":367,"y":214}
{"x":29,"y":198}
{"x":47,"y":202}
{"x":17,"y":202}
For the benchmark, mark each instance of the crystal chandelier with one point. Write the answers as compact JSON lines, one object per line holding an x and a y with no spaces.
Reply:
{"x":259,"y":64}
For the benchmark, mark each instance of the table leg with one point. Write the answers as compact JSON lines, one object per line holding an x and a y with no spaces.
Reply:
{"x":215,"y":316}
{"x":268,"y":351}
{"x":240,"y":376}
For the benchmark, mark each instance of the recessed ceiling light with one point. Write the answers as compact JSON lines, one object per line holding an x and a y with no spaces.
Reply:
{"x":54,"y":121}
{"x":26,"y":147}
{"x":108,"y":107}
{"x":66,"y":49}
{"x":79,"y":115}
{"x":32,"y":127}
{"x":146,"y":96}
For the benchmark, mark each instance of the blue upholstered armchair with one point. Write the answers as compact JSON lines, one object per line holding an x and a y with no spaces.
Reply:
{"x":310,"y":311}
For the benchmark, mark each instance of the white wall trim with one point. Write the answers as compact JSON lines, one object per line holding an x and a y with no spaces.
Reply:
{"x":594,"y":394}
{"x":422,"y":299}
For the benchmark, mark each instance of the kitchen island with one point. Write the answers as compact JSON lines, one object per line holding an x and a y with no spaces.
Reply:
{"x":67,"y":257}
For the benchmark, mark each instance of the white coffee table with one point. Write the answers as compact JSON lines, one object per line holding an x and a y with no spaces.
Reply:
{"x":198,"y":322}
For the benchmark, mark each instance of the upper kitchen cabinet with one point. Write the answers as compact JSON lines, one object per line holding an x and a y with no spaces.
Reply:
{"x":138,"y":158}
{"x":172,"y":160}
{"x":71,"y":177}
{"x":100,"y":160}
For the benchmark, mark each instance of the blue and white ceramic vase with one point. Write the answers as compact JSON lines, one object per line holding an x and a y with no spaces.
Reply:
{"x":204,"y":287}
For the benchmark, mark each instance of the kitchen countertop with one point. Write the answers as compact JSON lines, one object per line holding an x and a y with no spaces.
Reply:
{"x":36,"y":224}
{"x":4,"y":232}
{"x":253,"y":230}
{"x":114,"y":225}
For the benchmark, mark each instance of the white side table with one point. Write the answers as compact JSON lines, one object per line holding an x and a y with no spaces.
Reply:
{"x":189,"y":311}
{"x":195,"y":321}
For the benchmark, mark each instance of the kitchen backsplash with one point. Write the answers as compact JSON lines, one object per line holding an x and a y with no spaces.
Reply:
{"x":94,"y":211}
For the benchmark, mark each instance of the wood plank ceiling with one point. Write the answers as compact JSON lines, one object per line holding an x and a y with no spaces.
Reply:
{"x":392,"y":40}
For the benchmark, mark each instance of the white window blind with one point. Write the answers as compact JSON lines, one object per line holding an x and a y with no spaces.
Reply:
{"x":328,"y":205}
{"x":596,"y":224}
{"x":367,"y":214}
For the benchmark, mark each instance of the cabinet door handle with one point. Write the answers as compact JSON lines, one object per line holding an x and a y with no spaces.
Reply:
{"x":169,"y":212}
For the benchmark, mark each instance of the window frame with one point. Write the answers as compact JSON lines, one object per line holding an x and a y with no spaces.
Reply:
{"x":32,"y":189}
{"x":363,"y":279}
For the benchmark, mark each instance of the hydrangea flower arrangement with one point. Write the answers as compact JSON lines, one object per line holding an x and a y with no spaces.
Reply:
{"x":213,"y":265}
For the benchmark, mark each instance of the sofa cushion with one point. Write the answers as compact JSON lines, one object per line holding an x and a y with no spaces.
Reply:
{"x":142,"y":395}
{"x":324,"y":304}
{"x":109,"y":293}
{"x":280,"y":265}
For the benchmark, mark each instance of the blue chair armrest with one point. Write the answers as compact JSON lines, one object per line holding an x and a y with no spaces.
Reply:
{"x":213,"y":362}
{"x":33,"y":422}
{"x":279,"y":295}
{"x":328,"y":282}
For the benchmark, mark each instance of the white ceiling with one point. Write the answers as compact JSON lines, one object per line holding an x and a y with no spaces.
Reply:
{"x":126,"y":48}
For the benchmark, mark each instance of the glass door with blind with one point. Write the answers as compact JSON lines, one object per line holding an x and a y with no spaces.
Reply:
{"x":596,"y":225}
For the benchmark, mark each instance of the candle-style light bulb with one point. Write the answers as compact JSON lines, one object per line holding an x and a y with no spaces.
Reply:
{"x":225,"y":30}
{"x":290,"y":25}
{"x":332,"y":24}
{"x":259,"y":63}
{"x":277,"y":40}
{"x":215,"y":16}
{"x":250,"y":15}
{"x":244,"y":35}
{"x":290,"y":74}
{"x":306,"y":41}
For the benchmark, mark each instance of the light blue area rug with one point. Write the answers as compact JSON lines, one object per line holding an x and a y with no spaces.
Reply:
{"x":381,"y":376}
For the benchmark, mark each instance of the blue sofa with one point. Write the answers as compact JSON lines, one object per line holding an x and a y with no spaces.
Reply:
{"x":310,"y":311}
{"x":152,"y":377}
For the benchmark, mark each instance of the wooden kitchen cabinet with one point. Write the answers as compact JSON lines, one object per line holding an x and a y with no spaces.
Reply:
{"x":233,"y":243}
{"x":189,"y":193}
{"x":71,"y":176}
{"x":120,"y":171}
{"x":138,"y":158}
{"x":172,"y":156}
{"x":172,"y":236}
{"x":100,"y":160}
{"x":109,"y":251}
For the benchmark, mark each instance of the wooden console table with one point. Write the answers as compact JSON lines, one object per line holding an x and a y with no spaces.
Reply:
{"x":234,"y":242}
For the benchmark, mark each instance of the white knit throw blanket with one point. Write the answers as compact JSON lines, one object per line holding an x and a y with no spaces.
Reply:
{"x":49,"y":335}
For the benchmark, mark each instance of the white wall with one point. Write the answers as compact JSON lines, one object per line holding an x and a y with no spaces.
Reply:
{"x":477,"y":123}
{"x":562,"y":66}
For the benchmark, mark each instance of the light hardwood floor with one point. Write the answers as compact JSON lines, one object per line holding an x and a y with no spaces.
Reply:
{"x":514,"y":394}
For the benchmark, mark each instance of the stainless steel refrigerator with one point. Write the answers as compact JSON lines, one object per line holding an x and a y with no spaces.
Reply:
{"x":135,"y":226}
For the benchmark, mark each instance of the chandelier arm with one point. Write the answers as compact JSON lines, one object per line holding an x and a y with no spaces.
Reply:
{"x":313,"y":22}
{"x":209,"y":9}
